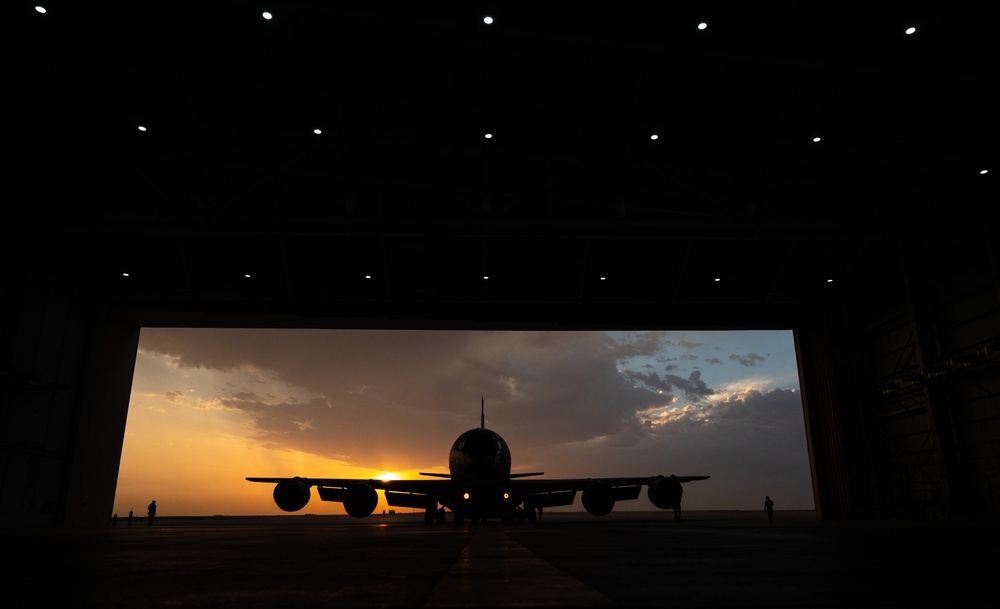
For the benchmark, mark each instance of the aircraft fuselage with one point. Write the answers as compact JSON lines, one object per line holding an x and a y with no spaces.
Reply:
{"x":479,"y":464}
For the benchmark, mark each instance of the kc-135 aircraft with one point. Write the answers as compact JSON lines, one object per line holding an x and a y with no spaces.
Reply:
{"x":479,"y":486}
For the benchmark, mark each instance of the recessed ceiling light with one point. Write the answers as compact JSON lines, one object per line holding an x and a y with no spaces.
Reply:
{"x":910,"y":30}
{"x":124,"y":274}
{"x":816,"y":139}
{"x":654,"y":137}
{"x":984,"y":172}
{"x":718,"y":278}
{"x":247,"y":275}
{"x":702,"y":25}
{"x":486,"y":276}
{"x":318,"y":131}
{"x":141,"y":128}
{"x":487,"y":20}
{"x":829,"y":280}
{"x":602,"y":278}
{"x":40,"y":9}
{"x":489,"y":136}
{"x":368,"y":276}
{"x":266,"y":15}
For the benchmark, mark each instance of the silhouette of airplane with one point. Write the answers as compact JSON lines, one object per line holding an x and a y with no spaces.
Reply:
{"x":479,"y":486}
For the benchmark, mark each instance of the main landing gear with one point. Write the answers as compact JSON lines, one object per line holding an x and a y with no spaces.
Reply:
{"x":431,"y":515}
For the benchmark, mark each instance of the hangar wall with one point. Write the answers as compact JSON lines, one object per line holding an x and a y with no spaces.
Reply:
{"x":915,"y":350}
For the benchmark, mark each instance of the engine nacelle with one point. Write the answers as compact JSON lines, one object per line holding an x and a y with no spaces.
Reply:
{"x":360,"y":500}
{"x":598,"y":499}
{"x":665,"y":493}
{"x":291,"y":495}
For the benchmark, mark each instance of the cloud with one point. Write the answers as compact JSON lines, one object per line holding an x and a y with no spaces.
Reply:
{"x":749,"y":359}
{"x":692,"y":387}
{"x":367,"y":385}
{"x":750,"y":443}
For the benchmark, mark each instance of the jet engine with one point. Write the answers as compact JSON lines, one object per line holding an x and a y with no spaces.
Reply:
{"x":360,"y":500}
{"x":291,"y":495}
{"x":665,"y":493}
{"x":598,"y":498}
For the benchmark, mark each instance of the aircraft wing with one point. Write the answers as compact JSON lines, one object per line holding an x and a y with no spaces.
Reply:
{"x":433,"y":487}
{"x":360,"y":498}
{"x":403,"y":486}
{"x":359,"y":495}
{"x":543,"y":485}
{"x":601,"y":494}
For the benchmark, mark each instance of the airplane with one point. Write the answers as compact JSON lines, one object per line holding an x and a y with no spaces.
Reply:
{"x":479,"y":486}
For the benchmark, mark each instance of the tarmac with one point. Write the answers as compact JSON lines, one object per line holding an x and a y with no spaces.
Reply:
{"x":568,"y":559}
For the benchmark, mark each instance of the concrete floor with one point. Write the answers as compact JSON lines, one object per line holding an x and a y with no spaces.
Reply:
{"x":637,"y":559}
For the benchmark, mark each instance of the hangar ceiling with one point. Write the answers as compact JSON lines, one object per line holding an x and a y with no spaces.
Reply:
{"x":337,"y":154}
{"x":824,"y":166}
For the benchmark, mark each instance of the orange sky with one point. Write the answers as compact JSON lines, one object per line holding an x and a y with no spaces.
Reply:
{"x":189,"y":455}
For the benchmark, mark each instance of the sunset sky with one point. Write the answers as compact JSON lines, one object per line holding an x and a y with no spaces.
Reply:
{"x":210,"y":407}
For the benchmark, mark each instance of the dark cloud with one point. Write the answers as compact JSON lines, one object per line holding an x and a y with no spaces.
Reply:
{"x":749,"y":359}
{"x":692,"y":387}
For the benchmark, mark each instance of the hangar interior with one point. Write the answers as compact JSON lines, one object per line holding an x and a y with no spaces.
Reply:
{"x":828,"y":167}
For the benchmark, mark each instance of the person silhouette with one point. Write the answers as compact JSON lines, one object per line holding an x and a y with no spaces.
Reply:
{"x":130,"y":518}
{"x":674,"y":492}
{"x":769,"y":508}
{"x":151,"y":511}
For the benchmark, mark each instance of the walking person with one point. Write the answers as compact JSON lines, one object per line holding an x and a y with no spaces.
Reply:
{"x":769,"y":508}
{"x":673,"y":491}
{"x":151,"y":511}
